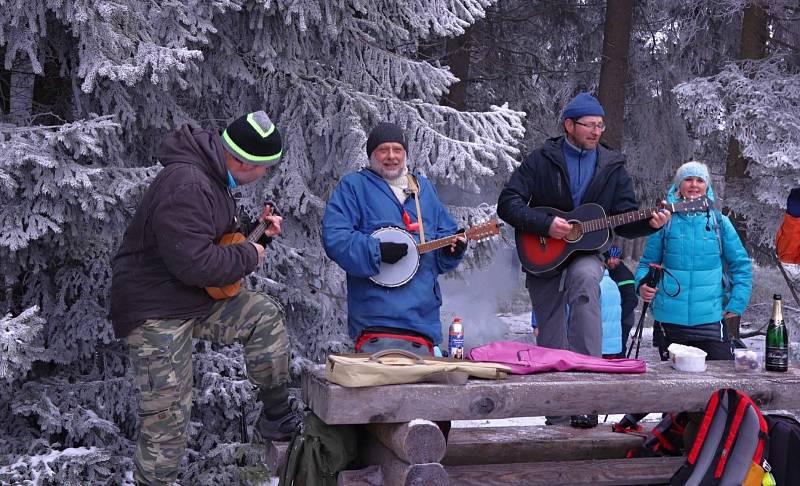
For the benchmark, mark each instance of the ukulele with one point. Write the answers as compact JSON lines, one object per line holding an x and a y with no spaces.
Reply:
{"x":400,"y":272}
{"x":591,"y":231}
{"x":231,"y":290}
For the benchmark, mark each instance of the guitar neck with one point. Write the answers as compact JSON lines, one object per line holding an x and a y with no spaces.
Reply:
{"x":622,"y":218}
{"x":436,"y":244}
{"x":258,"y":231}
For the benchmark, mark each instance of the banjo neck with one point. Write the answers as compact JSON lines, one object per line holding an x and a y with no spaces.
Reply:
{"x":436,"y":244}
{"x":490,"y":228}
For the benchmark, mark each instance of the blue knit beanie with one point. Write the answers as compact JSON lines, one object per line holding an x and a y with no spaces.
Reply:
{"x":583,"y":104}
{"x":691,"y":169}
{"x":793,"y":203}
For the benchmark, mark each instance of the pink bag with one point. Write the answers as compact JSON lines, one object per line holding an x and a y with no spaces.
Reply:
{"x":525,"y":359}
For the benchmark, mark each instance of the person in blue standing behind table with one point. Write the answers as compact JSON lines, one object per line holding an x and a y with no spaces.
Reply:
{"x":405,"y":317}
{"x":611,"y":313}
{"x":620,"y":274}
{"x":694,"y":247}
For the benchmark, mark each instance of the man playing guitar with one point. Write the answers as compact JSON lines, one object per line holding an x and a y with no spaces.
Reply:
{"x":564,"y":173}
{"x":405,"y":315}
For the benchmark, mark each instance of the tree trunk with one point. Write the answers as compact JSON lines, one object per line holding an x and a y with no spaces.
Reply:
{"x":21,"y":89}
{"x":457,"y":58}
{"x":614,"y":68}
{"x":753,"y":45}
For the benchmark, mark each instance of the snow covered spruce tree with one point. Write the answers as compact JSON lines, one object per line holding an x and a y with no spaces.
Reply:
{"x":89,"y":89}
{"x":755,"y":103}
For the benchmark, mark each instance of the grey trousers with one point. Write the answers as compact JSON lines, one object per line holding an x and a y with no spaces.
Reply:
{"x":568,"y":306}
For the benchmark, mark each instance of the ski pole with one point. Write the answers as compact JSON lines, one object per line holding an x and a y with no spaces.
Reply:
{"x":652,"y":278}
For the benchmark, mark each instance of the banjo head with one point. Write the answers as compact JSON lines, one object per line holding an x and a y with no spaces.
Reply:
{"x":397,"y":274}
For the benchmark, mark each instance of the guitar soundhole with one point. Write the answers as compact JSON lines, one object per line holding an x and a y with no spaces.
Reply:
{"x":576,"y":233}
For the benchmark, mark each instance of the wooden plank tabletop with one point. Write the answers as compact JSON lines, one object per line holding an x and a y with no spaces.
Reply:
{"x":566,"y":393}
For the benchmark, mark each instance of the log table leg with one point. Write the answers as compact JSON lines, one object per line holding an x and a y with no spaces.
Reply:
{"x":408,"y":453}
{"x":416,"y":442}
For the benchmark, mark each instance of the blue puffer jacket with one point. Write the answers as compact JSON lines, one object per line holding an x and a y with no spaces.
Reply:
{"x":611,"y":313}
{"x":361,"y":203}
{"x":689,"y":248}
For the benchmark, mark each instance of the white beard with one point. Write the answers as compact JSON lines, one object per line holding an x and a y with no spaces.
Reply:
{"x":388,"y":174}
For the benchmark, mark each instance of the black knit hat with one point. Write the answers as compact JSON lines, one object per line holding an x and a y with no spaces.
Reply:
{"x":253,"y":139}
{"x":385,"y":132}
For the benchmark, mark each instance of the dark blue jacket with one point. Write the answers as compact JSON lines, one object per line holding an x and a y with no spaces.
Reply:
{"x":361,"y":203}
{"x":622,"y":275}
{"x":542,"y":180}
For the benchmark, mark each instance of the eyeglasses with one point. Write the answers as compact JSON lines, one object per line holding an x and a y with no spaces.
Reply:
{"x":592,"y":126}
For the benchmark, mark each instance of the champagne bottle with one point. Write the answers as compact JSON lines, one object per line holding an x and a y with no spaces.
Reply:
{"x":777,"y":353}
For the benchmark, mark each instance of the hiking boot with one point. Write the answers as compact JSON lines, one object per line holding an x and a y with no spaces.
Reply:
{"x":556,"y":419}
{"x":583,"y":421}
{"x":280,"y":429}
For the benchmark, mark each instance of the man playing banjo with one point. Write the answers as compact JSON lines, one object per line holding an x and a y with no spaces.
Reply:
{"x":393,"y":295}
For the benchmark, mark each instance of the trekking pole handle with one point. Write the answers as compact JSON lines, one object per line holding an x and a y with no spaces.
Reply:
{"x":654,"y":275}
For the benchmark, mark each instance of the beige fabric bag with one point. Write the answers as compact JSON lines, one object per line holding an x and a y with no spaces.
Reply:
{"x":396,"y":366}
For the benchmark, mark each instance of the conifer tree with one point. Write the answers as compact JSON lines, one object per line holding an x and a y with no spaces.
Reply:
{"x":757,"y":102}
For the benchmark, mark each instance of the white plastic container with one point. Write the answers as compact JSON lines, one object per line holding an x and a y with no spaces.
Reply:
{"x":687,"y":358}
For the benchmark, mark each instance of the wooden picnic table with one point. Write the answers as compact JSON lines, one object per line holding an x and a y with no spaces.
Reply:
{"x":395,"y":407}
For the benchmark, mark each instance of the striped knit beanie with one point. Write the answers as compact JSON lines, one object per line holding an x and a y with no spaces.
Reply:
{"x":253,"y":139}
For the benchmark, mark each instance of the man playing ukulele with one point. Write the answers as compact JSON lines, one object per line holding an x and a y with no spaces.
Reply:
{"x":564,"y":173}
{"x":168,"y":256}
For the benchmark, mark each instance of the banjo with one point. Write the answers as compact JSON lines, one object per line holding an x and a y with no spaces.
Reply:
{"x":397,"y":274}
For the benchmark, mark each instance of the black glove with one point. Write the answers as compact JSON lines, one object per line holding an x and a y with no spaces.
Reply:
{"x":393,"y":252}
{"x":461,"y":246}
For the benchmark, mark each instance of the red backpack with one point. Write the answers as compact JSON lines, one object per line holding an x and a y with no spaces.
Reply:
{"x":731,"y":446}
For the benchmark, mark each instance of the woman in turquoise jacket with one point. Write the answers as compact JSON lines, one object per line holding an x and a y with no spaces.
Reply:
{"x":694,"y":249}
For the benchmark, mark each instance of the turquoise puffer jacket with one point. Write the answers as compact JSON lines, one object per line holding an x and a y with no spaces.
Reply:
{"x":611,"y":313}
{"x":689,"y":248}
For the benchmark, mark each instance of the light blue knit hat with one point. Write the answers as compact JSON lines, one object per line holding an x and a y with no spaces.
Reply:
{"x":691,"y":169}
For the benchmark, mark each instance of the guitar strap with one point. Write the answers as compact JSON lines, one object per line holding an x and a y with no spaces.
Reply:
{"x":414,"y":188}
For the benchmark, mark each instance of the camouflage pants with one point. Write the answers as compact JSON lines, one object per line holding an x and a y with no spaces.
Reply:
{"x":161,"y":352}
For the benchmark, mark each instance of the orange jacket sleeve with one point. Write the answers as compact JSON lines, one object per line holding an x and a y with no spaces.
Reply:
{"x":787,"y":241}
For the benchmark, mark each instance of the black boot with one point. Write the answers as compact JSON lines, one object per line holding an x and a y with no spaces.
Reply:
{"x":583,"y":421}
{"x":278,"y":420}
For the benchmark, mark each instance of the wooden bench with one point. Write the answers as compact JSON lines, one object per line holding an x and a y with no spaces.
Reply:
{"x":648,"y":470}
{"x":526,"y":443}
{"x":536,"y":443}
{"x":399,"y":406}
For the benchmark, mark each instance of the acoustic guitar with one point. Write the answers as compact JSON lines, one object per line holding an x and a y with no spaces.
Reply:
{"x":401,"y":272}
{"x":232,"y":290}
{"x":591,"y":231}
